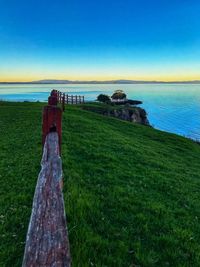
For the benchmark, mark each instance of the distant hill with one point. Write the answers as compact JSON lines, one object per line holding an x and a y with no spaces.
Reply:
{"x":53,"y":81}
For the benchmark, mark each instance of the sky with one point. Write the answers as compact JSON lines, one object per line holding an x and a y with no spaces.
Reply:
{"x":99,"y":40}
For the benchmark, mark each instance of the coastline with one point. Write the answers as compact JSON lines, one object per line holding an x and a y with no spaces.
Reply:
{"x":18,"y":103}
{"x":171,"y":108}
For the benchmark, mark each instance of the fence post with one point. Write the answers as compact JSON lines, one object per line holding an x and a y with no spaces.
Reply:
{"x":83,"y":100}
{"x":57,"y":94}
{"x":72,"y":99}
{"x":52,"y":119}
{"x":63,"y":102}
{"x":61,"y":96}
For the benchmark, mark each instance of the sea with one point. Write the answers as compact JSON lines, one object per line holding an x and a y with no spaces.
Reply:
{"x":173,"y":108}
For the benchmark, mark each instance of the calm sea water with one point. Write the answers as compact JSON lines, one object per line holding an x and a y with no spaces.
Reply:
{"x":172,"y":108}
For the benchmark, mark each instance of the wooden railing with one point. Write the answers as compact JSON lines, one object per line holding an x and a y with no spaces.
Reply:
{"x":68,"y":99}
{"x":47,"y":237}
{"x":74,"y":99}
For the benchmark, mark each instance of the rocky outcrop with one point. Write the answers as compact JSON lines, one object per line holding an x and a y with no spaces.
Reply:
{"x":127,"y":112}
{"x":136,"y":115}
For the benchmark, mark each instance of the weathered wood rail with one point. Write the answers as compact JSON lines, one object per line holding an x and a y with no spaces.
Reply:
{"x":47,"y":242}
{"x":69,"y":99}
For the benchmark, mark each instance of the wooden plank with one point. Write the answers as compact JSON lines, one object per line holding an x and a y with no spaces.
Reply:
{"x":47,"y":238}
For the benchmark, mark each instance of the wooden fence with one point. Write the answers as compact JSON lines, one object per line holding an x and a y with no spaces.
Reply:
{"x":47,"y":237}
{"x":69,"y":99}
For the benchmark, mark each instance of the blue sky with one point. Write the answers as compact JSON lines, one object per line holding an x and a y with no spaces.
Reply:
{"x":76,"y":39}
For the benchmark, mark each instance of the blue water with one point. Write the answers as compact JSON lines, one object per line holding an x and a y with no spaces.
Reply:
{"x":172,"y":108}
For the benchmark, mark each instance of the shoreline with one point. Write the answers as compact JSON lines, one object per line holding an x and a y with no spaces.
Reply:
{"x":172,"y":108}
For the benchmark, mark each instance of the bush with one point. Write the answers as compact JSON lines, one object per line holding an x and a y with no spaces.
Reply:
{"x":103,"y":98}
{"x":118,"y":94}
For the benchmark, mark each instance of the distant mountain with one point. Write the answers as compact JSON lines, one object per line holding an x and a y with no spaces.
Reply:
{"x":52,"y":81}
{"x":109,"y":82}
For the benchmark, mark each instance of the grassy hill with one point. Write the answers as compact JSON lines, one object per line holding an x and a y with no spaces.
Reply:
{"x":131,"y":192}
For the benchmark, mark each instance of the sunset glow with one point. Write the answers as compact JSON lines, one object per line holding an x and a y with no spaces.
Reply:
{"x":83,"y":40}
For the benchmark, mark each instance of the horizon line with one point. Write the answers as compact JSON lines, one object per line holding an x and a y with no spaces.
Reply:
{"x":50,"y":81}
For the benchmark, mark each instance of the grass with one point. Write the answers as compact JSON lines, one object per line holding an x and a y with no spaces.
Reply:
{"x":101,"y":108}
{"x":131,"y":192}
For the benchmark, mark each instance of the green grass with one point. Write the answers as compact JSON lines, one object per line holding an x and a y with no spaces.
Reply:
{"x":103,"y":107}
{"x":131,"y":192}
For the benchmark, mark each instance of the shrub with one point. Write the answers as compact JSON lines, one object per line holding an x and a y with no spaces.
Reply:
{"x":103,"y":98}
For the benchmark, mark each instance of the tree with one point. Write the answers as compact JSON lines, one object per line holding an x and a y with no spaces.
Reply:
{"x":103,"y":98}
{"x":118,"y":94}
